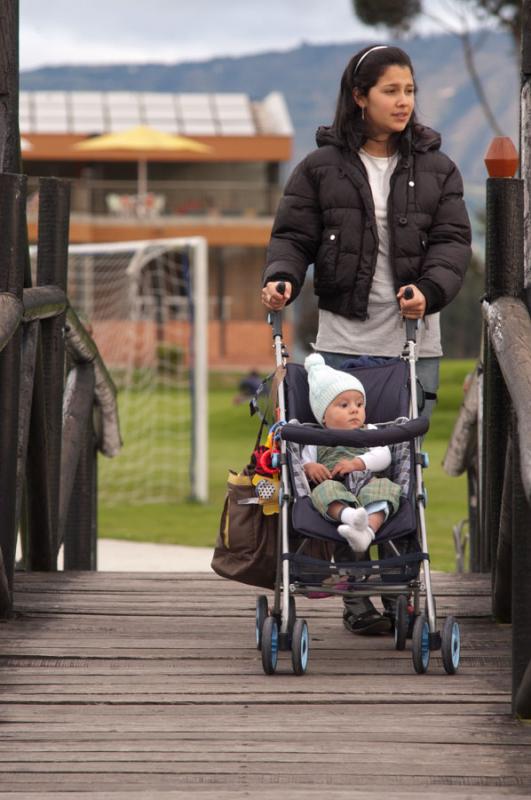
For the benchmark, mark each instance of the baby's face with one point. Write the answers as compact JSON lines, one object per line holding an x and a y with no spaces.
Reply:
{"x":347,"y":410}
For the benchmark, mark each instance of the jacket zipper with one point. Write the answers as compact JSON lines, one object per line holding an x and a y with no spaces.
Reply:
{"x":367,"y":205}
{"x":402,"y":165}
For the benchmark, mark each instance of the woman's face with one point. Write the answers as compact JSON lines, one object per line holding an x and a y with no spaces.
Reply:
{"x":389,"y":103}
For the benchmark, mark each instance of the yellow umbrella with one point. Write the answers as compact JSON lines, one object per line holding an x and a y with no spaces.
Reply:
{"x":141,"y":138}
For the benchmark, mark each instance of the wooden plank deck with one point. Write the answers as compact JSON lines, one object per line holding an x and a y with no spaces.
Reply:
{"x":149,"y":686}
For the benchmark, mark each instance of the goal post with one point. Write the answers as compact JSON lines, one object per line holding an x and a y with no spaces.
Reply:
{"x":200,"y":476}
{"x":146,"y":304}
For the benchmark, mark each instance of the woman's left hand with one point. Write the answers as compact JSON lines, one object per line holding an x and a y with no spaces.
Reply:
{"x":415,"y":307}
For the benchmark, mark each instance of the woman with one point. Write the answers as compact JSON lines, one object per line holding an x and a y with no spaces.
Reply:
{"x":376,"y":208}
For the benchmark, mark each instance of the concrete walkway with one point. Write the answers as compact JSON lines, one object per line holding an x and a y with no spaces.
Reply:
{"x":117,"y":555}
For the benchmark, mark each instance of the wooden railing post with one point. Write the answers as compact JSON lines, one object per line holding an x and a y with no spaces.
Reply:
{"x":525,"y":139}
{"x":522,"y":547}
{"x":503,"y":276}
{"x":78,"y":490}
{"x":502,"y":576}
{"x":33,"y":479}
{"x":81,"y":534}
{"x":9,"y":129}
{"x":52,"y":262}
{"x":12,"y":208}
{"x":509,"y":326}
{"x":521,"y":583}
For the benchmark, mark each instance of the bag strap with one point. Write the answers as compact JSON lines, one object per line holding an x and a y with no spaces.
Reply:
{"x":259,"y":435}
{"x":278,"y":376}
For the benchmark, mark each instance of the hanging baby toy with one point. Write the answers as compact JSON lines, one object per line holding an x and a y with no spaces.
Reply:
{"x":267,"y":470}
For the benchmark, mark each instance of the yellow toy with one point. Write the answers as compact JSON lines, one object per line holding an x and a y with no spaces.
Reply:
{"x":267,"y":490}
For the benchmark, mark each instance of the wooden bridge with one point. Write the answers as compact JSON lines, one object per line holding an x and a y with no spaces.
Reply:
{"x":149,"y":686}
{"x":143,"y":686}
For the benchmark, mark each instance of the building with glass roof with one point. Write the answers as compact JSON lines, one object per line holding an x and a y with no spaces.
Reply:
{"x":187,"y":114}
{"x":227,"y":191}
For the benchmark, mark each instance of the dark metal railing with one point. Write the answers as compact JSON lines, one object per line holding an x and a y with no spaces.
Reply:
{"x":57,"y":400}
{"x":492,"y":435}
{"x":507,"y":459}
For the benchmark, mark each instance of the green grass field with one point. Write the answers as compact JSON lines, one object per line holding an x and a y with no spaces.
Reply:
{"x":232,"y":435}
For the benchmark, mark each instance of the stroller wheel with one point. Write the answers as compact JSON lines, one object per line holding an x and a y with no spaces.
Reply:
{"x":450,"y":645}
{"x":401,"y":622}
{"x":421,"y":645}
{"x":300,"y":647}
{"x":269,"y":645}
{"x":262,"y":611}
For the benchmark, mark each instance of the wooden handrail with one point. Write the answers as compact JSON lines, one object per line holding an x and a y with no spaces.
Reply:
{"x":43,"y":302}
{"x":82,"y":349}
{"x":463,"y":441}
{"x":78,"y":400}
{"x":509,"y":327}
{"x":11,"y":311}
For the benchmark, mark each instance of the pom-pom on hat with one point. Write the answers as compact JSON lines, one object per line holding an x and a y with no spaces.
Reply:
{"x":326,"y":383}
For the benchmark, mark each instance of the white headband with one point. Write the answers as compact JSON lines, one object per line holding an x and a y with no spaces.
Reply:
{"x":371,"y":50}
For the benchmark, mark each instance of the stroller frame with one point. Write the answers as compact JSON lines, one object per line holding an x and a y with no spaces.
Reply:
{"x":279,"y":629}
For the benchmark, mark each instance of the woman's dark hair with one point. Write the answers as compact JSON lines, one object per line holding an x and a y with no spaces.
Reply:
{"x":362,"y":72}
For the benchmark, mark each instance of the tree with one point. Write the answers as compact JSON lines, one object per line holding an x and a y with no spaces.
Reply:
{"x":395,"y":14}
{"x":506,"y":13}
{"x":462,"y":339}
{"x":400,"y":16}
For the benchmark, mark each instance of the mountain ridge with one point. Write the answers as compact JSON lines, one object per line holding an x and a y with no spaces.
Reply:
{"x":309,"y":75}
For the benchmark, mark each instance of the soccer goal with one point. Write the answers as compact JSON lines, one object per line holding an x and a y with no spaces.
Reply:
{"x":145,"y":303}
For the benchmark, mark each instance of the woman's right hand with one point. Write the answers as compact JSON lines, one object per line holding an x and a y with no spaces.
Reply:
{"x":272,"y":298}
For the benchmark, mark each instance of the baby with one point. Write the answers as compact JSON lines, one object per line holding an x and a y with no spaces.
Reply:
{"x":346,"y":490}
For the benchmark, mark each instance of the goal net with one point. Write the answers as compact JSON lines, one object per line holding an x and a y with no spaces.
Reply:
{"x":145,"y":304}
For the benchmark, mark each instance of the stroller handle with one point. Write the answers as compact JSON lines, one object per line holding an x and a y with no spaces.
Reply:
{"x":275,"y":317}
{"x":334,"y":437}
{"x":411,"y":324}
{"x":275,"y":320}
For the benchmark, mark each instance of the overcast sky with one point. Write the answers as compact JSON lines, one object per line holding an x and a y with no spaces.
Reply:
{"x":129,"y":31}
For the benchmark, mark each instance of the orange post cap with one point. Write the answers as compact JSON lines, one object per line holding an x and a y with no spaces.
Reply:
{"x":501,"y":158}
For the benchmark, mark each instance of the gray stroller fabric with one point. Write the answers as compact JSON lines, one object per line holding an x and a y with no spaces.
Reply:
{"x":307,"y":520}
{"x":387,"y":388}
{"x":399,"y":471}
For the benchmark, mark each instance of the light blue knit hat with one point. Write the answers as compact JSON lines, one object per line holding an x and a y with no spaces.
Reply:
{"x":326,"y":383}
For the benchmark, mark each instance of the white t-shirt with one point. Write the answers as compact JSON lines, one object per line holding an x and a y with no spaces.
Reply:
{"x":384,"y":332}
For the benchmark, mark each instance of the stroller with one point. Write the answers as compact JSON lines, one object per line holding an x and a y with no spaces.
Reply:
{"x":401,"y":573}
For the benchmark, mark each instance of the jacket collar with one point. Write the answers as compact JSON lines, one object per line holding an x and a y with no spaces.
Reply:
{"x":420,"y":139}
{"x":424,"y":139}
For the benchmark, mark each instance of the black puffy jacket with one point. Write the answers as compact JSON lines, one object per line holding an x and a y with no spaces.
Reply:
{"x":326,"y":217}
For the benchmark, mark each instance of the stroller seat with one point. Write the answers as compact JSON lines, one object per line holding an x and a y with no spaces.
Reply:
{"x":387,"y":400}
